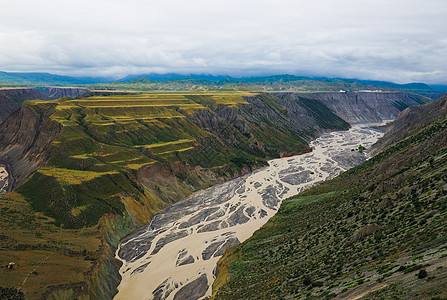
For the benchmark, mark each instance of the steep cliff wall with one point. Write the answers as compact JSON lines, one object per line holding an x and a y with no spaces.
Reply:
{"x":53,"y":93}
{"x":25,"y":139}
{"x":12,"y":98}
{"x":363,"y":107}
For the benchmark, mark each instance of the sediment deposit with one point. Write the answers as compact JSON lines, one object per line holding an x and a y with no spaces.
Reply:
{"x":177,"y":253}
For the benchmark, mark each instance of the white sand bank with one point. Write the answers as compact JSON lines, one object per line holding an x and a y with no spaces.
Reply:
{"x":179,"y":251}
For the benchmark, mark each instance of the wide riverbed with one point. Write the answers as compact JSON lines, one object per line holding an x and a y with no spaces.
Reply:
{"x":174,"y":258}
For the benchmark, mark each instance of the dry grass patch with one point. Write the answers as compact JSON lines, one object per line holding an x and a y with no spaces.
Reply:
{"x":69,"y":176}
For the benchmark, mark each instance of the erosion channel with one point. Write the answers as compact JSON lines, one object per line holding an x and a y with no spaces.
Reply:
{"x":6,"y":179}
{"x":175,"y":256}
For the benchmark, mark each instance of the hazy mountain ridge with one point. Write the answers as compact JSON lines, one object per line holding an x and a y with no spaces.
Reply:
{"x":173,"y":81}
{"x":268,"y":83}
{"x":367,"y":233}
{"x":45,"y":79}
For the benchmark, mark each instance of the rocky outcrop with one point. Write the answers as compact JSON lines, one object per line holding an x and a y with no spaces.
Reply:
{"x":266,"y":123}
{"x":26,"y":137}
{"x":6,"y":180}
{"x":363,"y":107}
{"x":53,"y":93}
{"x":367,"y":230}
{"x":12,"y":98}
{"x":289,"y":154}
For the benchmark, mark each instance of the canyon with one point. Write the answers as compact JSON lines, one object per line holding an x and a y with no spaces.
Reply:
{"x":94,"y":169}
{"x":177,"y":253}
{"x":375,"y":231}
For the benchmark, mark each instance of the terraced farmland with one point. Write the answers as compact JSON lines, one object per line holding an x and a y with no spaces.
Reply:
{"x":127,"y":119}
{"x":120,"y":159}
{"x":110,"y":143}
{"x":106,"y":139}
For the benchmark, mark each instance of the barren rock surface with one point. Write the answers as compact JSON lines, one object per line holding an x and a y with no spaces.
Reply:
{"x":6,"y":180}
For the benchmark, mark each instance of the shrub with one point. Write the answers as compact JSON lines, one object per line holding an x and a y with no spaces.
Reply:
{"x":11,"y":293}
{"x":307,"y":280}
{"x":422,"y":274}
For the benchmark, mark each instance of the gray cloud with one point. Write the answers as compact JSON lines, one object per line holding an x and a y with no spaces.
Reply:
{"x":395,"y":40}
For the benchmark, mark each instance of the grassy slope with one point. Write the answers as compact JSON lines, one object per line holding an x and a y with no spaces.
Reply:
{"x":70,"y":214}
{"x":42,"y":251}
{"x":103,"y":140}
{"x":367,"y":233}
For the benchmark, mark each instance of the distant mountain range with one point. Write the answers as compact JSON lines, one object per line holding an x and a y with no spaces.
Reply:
{"x":276,"y":78}
{"x":45,"y":79}
{"x":173,"y":81}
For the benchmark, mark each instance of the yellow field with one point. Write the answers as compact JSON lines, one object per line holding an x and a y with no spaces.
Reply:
{"x":124,"y":126}
{"x":170,"y":143}
{"x":69,"y":176}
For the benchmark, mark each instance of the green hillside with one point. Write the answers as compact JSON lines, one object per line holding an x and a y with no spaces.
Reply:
{"x":119,"y":160}
{"x":104,"y":141}
{"x":378,"y":231}
{"x":267,"y":83}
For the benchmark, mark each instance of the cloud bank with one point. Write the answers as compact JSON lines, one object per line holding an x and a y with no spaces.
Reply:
{"x":397,"y":40}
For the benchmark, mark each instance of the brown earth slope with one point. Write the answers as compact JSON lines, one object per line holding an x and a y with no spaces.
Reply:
{"x":363,"y":107}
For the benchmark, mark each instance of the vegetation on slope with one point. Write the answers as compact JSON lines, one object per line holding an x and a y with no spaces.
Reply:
{"x":119,"y":160}
{"x":267,"y":83}
{"x":377,"y":231}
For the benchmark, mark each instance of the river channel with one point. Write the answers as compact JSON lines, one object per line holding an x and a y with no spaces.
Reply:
{"x":176,"y":255}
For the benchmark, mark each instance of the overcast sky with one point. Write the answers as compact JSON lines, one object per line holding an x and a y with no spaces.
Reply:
{"x":394,"y":40}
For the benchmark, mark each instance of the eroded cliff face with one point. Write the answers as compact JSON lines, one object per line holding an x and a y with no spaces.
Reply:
{"x":269,"y":123}
{"x":12,"y":98}
{"x":53,"y":93}
{"x":363,"y":107}
{"x":25,"y":139}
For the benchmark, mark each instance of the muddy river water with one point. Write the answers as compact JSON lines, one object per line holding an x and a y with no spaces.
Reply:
{"x":175,"y":256}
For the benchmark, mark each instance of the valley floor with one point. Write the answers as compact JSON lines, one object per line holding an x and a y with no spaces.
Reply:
{"x":177,"y":254}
